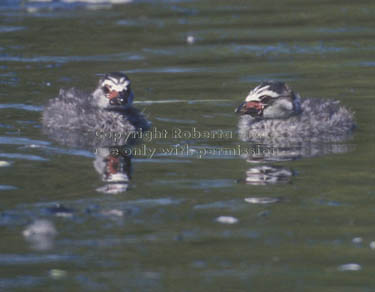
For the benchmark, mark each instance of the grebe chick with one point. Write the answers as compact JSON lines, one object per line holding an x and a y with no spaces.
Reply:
{"x":273,"y":113}
{"x":71,"y":116}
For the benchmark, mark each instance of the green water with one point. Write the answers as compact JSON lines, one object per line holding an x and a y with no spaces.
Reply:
{"x":163,"y":233}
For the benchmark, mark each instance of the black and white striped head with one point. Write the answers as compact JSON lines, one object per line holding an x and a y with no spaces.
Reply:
{"x":270,"y":99}
{"x":114,"y":91}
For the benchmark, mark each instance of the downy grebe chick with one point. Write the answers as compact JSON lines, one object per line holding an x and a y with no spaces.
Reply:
{"x":74,"y":118}
{"x":273,"y":113}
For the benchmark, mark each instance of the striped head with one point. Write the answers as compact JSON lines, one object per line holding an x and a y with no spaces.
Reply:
{"x":113,"y":91}
{"x":271,"y":99}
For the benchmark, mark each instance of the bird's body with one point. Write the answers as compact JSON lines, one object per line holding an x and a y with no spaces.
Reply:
{"x":272,"y":113}
{"x":74,"y":116}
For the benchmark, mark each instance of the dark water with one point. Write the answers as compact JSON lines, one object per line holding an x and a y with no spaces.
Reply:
{"x":191,"y":219}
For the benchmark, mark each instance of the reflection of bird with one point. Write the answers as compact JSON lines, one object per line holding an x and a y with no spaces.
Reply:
{"x":115,"y":170}
{"x":266,"y":174}
{"x":273,"y":112}
{"x":286,"y":150}
{"x":108,"y":110}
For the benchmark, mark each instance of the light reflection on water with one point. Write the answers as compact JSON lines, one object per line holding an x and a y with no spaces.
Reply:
{"x":283,"y":214}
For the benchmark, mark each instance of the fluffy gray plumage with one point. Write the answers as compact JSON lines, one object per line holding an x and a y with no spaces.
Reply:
{"x":73,"y":119}
{"x":319,"y":121}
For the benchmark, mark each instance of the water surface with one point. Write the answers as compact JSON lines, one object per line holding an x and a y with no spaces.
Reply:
{"x":187,"y":220}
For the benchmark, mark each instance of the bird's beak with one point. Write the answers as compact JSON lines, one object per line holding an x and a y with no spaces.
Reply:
{"x":239,"y":108}
{"x":113,"y":94}
{"x":118,"y":98}
{"x":253,"y":108}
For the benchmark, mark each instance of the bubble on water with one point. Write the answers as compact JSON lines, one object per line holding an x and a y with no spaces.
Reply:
{"x":40,"y":234}
{"x":4,"y":163}
{"x":40,"y":227}
{"x":357,"y":240}
{"x":227,"y":219}
{"x":350,"y":267}
{"x":113,"y":212}
{"x":32,"y":9}
{"x":262,"y":200}
{"x":57,"y":274}
{"x":190,"y":39}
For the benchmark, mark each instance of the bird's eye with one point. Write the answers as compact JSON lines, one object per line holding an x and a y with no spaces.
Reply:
{"x":265,"y":98}
{"x":105,"y":89}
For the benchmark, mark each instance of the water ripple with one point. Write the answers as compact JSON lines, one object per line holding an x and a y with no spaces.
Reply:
{"x":6,"y":126}
{"x":75,"y":152}
{"x":21,"y":106}
{"x":21,"y":141}
{"x":23,"y":156}
{"x":198,"y":184}
{"x":19,"y":281}
{"x":15,"y":259}
{"x":7,"y":188}
{"x":9,"y":78}
{"x":189,"y":101}
{"x":155,"y":202}
{"x":168,"y":70}
{"x":285,"y":49}
{"x":67,"y":59}
{"x":232,"y":204}
{"x":5,"y":28}
{"x":367,"y":64}
{"x":174,"y":121}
